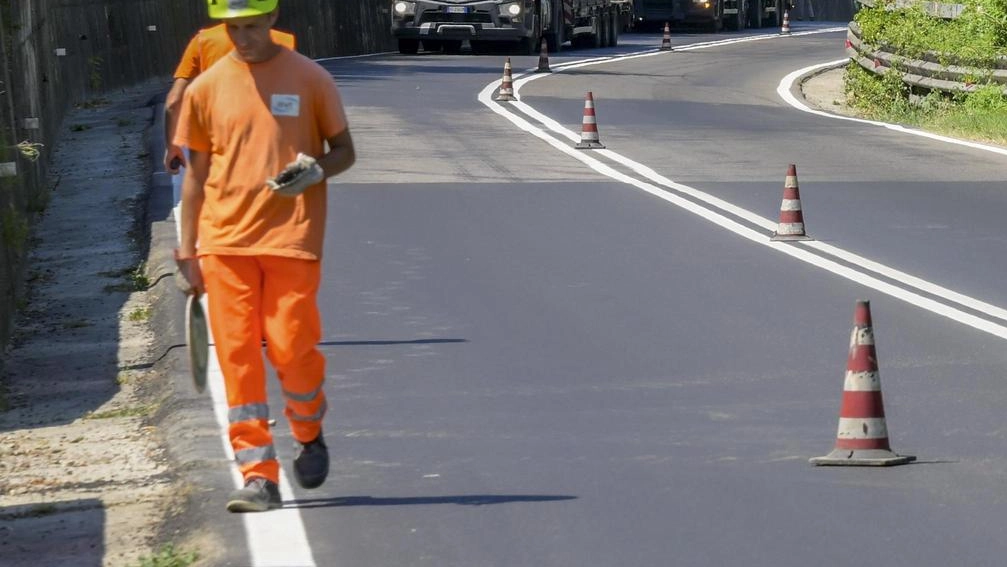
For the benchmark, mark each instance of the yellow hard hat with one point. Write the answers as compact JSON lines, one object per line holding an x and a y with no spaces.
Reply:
{"x":222,"y":9}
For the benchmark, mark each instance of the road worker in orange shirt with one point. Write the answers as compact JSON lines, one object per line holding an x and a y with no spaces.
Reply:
{"x":252,"y":223}
{"x":205,"y":48}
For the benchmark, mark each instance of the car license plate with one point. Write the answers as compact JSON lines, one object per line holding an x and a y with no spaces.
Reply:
{"x":457,"y":9}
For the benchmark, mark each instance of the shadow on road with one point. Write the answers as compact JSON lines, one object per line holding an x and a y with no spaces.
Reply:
{"x":461,"y":500}
{"x":53,"y":535}
{"x":393,"y":342}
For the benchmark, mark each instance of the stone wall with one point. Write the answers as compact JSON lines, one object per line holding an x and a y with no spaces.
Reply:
{"x":58,"y":53}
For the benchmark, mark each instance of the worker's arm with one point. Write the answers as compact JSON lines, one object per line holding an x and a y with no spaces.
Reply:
{"x":192,"y":203}
{"x":172,"y":108}
{"x":340,"y":156}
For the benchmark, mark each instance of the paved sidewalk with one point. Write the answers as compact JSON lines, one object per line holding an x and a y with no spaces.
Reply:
{"x":85,"y":479}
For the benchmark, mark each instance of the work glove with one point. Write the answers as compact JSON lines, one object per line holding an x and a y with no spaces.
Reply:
{"x":297,"y":176}
{"x":188,"y":276}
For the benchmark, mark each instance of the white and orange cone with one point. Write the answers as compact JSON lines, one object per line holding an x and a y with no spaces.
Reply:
{"x":543,"y":58}
{"x":589,"y":139}
{"x":666,"y":40}
{"x":862,"y":438}
{"x":791,"y":225}
{"x":785,"y":29}
{"x":506,"y":92}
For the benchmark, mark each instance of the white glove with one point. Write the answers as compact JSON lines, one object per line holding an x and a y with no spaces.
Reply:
{"x":297,"y":176}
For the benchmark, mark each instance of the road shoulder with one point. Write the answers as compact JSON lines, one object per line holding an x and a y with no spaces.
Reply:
{"x":100,"y":436}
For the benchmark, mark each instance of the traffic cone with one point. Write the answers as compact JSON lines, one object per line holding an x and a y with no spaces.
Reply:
{"x":666,"y":40}
{"x":791,"y":225}
{"x":589,"y":131}
{"x":543,"y":58}
{"x":785,"y":30}
{"x":506,"y":93}
{"x":862,"y":438}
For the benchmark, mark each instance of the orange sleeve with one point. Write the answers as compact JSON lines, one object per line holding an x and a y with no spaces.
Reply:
{"x":189,"y":67}
{"x":192,"y":131}
{"x":329,"y":107}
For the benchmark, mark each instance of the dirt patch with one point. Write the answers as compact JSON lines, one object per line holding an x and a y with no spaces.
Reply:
{"x":84,"y":479}
{"x":825,"y":91}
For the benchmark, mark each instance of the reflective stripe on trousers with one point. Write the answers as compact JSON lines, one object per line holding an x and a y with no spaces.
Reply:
{"x":270,"y":297}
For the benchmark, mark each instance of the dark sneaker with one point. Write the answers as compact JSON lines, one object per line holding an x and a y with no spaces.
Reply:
{"x":311,"y":465}
{"x":258,"y":495}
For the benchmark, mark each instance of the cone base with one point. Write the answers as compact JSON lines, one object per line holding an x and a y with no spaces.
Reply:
{"x":590,"y":146}
{"x":667,"y":49}
{"x":863,"y":458}
{"x":789,"y":237}
{"x":505,"y":98}
{"x":543,"y":70}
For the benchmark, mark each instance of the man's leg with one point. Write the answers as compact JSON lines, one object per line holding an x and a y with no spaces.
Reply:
{"x":234,"y":290}
{"x":292,"y":326}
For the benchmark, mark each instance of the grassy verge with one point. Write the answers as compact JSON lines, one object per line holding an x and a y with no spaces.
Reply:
{"x":975,"y":39}
{"x":980,"y":116}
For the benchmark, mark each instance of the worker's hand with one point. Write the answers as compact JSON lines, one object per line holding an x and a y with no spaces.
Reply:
{"x":174,"y":158}
{"x":188,"y":276}
{"x":297,"y":176}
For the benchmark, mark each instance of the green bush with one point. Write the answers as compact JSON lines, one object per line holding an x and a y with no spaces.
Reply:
{"x":976,"y":38}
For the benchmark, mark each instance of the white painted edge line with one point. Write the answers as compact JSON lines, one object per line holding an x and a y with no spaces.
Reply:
{"x":796,"y":251}
{"x":786,"y":84}
{"x":361,"y":56}
{"x":276,"y":538}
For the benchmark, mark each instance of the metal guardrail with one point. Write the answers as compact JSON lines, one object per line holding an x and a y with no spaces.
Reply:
{"x":935,"y":9}
{"x":925,"y":73}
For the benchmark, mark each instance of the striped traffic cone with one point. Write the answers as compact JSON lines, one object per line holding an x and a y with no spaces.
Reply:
{"x":543,"y":58}
{"x":785,"y":29}
{"x":791,"y":225}
{"x":862,"y":438}
{"x":666,"y":40}
{"x":506,"y":93}
{"x":589,"y":139}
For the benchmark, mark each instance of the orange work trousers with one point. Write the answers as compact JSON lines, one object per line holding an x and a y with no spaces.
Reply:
{"x":252,"y":298}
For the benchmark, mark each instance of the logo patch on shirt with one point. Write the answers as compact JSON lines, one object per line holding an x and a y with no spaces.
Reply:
{"x":286,"y":105}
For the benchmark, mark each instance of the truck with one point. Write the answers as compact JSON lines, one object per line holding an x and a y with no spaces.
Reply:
{"x":444,"y":25}
{"x":711,"y":14}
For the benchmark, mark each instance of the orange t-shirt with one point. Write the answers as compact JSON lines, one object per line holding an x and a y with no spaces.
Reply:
{"x":253,"y":119}
{"x":209,"y":45}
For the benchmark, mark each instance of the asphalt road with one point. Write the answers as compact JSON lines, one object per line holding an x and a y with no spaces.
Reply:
{"x":533,"y":364}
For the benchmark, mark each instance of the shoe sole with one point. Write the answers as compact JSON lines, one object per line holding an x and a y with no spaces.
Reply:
{"x":311,"y":482}
{"x":242,"y":506}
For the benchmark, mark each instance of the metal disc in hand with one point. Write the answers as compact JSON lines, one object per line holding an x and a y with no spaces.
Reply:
{"x":198,"y":338}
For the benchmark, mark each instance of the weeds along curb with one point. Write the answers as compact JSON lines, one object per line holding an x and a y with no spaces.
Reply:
{"x":185,"y":420}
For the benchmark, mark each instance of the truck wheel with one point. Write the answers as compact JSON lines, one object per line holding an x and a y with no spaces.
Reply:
{"x":777,"y":20}
{"x":409,"y":46}
{"x":718,"y":17}
{"x":614,"y":25}
{"x":755,"y":14}
{"x":550,"y":43}
{"x":737,"y":21}
{"x":598,"y":35}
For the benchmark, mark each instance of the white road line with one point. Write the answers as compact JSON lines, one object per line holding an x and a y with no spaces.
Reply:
{"x":276,"y":538}
{"x":798,"y":251}
{"x":786,"y":85}
{"x":865,"y":263}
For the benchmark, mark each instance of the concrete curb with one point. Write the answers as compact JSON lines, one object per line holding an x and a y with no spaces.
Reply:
{"x":186,"y":422}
